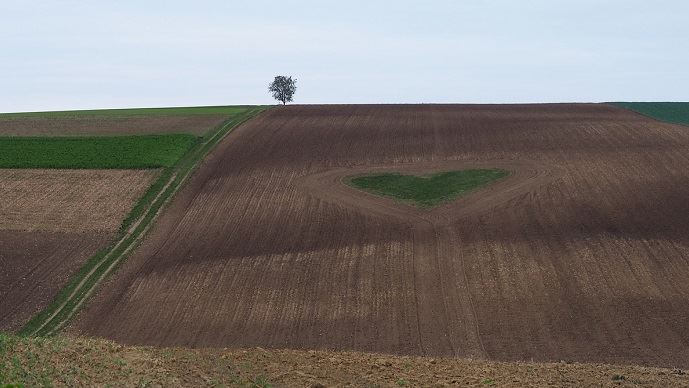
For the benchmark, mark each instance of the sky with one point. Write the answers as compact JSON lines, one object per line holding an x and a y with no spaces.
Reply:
{"x":104,"y":54}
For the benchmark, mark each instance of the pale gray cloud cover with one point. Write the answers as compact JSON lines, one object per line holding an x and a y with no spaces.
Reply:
{"x":79,"y":54}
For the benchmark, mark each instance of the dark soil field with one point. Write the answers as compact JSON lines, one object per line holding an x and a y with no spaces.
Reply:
{"x":580,"y":254}
{"x":35,"y":266}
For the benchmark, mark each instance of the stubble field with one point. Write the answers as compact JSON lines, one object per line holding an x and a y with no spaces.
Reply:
{"x":580,"y":254}
{"x":197,"y":125}
{"x":193,"y":120}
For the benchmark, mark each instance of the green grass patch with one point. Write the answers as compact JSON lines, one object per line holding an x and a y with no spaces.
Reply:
{"x":133,"y":112}
{"x":428,"y":190}
{"x":671,"y":112}
{"x":126,"y":152}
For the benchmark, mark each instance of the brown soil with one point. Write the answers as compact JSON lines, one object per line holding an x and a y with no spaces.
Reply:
{"x":581,"y":255}
{"x":194,"y":124}
{"x":51,"y":222}
{"x":70,"y":201}
{"x":34,"y":266}
{"x":86,"y":362}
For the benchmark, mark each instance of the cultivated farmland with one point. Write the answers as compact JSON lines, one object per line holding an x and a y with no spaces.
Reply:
{"x":52,"y":222}
{"x":58,"y":222}
{"x":126,"y":152}
{"x":579,"y":254}
{"x":195,"y":120}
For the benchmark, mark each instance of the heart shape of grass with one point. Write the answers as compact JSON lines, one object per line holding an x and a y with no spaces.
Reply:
{"x":427,"y":190}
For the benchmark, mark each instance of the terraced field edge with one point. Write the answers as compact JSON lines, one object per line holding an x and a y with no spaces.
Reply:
{"x":134,"y":228}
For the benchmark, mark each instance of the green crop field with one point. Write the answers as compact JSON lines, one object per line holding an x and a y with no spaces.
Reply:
{"x":126,"y":152}
{"x":429,"y":190}
{"x":123,"y":113}
{"x":671,"y":112}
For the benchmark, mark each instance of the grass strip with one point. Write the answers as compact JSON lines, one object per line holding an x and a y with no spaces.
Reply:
{"x":670,"y":112}
{"x":91,"y":152}
{"x":429,"y":190}
{"x":82,"y":285}
{"x":134,"y":112}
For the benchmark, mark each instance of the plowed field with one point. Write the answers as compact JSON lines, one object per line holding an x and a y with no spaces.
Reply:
{"x":51,"y":222}
{"x":581,"y":254}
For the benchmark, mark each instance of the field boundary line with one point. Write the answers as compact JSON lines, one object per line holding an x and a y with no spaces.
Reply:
{"x":54,"y":317}
{"x":621,"y":105}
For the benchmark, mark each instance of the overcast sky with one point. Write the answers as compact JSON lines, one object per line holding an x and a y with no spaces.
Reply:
{"x":79,"y":54}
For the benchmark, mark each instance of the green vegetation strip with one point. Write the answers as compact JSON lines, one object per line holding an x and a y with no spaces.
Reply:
{"x":124,"y":113}
{"x":428,"y":190}
{"x":84,"y":283}
{"x":671,"y":112}
{"x":128,"y":152}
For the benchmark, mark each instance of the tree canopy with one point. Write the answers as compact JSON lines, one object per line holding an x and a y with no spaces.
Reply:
{"x":283,"y":88}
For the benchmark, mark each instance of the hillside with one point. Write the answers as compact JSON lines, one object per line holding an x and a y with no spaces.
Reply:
{"x":571,"y":260}
{"x":578,"y":254}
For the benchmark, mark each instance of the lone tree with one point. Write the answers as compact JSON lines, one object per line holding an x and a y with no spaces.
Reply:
{"x":283,"y":88}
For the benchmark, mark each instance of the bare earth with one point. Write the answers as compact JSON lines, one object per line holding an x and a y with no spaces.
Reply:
{"x":194,"y":124}
{"x":580,"y":255}
{"x":51,"y":222}
{"x":88,"y":362}
{"x":69,"y":200}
